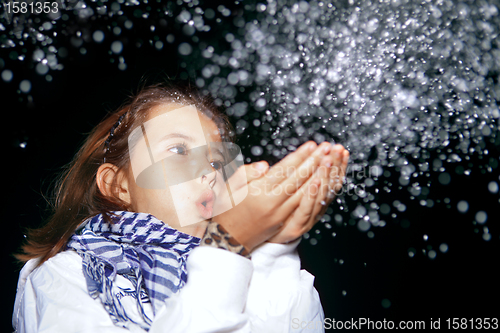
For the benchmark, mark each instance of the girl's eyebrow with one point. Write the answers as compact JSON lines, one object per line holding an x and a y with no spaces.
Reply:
{"x":177,"y":135}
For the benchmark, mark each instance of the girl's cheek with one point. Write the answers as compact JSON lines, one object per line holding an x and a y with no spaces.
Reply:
{"x":219,"y":183}
{"x":157,"y":200}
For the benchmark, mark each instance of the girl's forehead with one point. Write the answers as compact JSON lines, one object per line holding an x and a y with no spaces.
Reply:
{"x":173,"y":116}
{"x":165,"y":107}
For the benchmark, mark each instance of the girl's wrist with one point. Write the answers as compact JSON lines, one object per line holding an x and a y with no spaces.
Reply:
{"x":217,"y":236}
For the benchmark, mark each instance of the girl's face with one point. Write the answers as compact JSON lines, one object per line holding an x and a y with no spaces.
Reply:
{"x":176,"y":168}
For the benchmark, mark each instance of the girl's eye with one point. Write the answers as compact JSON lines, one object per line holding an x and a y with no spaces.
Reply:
{"x":216,"y":165}
{"x":178,"y":150}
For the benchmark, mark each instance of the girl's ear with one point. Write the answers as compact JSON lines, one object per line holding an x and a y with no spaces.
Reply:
{"x":105,"y":177}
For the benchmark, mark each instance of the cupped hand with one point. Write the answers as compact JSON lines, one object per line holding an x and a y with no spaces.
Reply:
{"x":270,"y":197}
{"x":315,"y":196}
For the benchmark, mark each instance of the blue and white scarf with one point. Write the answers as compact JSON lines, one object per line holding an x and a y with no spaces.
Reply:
{"x":141,"y":248}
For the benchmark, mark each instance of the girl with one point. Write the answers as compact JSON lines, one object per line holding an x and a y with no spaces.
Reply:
{"x":158,"y":227}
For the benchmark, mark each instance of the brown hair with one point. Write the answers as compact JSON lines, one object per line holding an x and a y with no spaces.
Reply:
{"x":76,"y":196}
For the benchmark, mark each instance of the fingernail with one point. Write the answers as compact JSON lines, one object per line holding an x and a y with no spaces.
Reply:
{"x":311,"y":147}
{"x":260,"y":166}
{"x":346,"y":158}
{"x":326,"y":149}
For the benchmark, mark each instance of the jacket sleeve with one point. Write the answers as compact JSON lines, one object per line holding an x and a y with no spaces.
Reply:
{"x":282,"y":297}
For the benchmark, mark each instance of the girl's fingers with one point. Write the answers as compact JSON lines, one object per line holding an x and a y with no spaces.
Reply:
{"x":281,"y":170}
{"x":325,"y":189}
{"x":306,"y":207}
{"x":336,"y":173}
{"x":311,"y":200}
{"x":337,"y":155}
{"x":335,"y":183}
{"x":322,"y":200}
{"x":256,"y":170}
{"x":294,"y":199}
{"x":343,"y":170}
{"x":289,"y":193}
{"x":296,"y":177}
{"x":345,"y":162}
{"x":247,"y":173}
{"x":338,"y":170}
{"x":335,"y":170}
{"x":297,"y":222}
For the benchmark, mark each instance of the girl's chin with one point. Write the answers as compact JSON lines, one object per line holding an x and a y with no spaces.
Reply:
{"x":199,"y":221}
{"x":206,"y":220}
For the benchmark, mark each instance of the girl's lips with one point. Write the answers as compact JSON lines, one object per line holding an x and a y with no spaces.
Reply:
{"x":205,"y":203}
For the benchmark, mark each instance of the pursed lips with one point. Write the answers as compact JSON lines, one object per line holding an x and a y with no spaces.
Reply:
{"x":205,"y":203}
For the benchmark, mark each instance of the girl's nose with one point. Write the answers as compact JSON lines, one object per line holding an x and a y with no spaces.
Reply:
{"x":208,"y":174}
{"x":205,"y":179}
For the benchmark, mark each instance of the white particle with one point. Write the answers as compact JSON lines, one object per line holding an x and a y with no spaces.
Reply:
{"x":481,"y":217}
{"x":25,"y":86}
{"x":116,"y":47}
{"x":98,"y":36}
{"x":462,"y":206}
{"x":7,"y":75}
{"x":493,"y":187}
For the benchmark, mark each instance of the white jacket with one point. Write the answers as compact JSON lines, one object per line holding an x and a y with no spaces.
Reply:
{"x":225,"y":292}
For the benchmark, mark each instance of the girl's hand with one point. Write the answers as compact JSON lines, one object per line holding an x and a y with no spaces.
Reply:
{"x":270,"y":199}
{"x":321,"y":188}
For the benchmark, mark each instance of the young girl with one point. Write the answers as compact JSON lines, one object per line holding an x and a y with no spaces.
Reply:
{"x":159,"y":227}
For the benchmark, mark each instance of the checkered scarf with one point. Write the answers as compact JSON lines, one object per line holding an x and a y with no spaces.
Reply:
{"x":138,"y":246}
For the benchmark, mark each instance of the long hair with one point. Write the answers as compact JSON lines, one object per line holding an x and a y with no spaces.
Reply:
{"x":76,"y":196}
